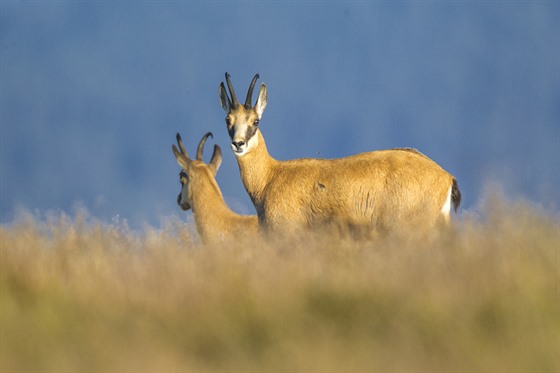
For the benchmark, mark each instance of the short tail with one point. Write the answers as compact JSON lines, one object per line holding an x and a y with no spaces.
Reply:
{"x":455,"y":195}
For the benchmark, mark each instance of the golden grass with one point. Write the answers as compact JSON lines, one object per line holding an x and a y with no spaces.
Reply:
{"x":80,"y":295}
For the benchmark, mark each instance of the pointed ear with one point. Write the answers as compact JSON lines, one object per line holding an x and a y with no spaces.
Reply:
{"x":216,"y":160}
{"x":261,"y":101}
{"x":181,"y":159}
{"x":224,"y":99}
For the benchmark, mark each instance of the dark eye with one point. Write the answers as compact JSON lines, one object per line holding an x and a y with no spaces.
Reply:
{"x":256,"y":122}
{"x":228,"y":122}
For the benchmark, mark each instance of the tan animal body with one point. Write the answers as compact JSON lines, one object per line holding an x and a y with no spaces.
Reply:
{"x":374,"y":191}
{"x":200,"y":192}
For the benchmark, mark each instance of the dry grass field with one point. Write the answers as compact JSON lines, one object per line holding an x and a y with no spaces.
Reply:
{"x":81,"y":295}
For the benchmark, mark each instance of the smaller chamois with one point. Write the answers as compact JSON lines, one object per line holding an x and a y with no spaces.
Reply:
{"x":200,"y":192}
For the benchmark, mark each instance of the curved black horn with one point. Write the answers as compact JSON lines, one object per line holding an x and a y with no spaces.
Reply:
{"x":201,"y":145}
{"x":181,"y":146}
{"x":231,"y":91}
{"x":250,"y":92}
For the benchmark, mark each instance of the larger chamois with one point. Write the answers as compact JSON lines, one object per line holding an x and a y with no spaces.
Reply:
{"x":200,"y":192}
{"x":374,"y":191}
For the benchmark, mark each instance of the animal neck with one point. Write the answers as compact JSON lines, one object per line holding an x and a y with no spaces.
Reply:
{"x":208,"y":205}
{"x":256,"y":168}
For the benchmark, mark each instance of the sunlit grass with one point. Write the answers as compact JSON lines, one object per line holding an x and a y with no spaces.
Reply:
{"x":80,"y":295}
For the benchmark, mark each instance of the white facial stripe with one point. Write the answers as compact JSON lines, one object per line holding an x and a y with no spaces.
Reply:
{"x":184,"y":194}
{"x":240,"y":133}
{"x":244,"y":139}
{"x":183,"y":198}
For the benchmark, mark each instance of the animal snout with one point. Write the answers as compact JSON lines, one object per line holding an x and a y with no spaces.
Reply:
{"x":183,"y":204}
{"x":238,"y":144}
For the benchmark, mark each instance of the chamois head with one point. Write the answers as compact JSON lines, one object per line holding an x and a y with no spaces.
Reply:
{"x":243,"y":120}
{"x":191,"y":166}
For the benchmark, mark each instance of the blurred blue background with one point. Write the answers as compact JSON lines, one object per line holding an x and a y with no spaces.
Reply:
{"x":92,"y":94}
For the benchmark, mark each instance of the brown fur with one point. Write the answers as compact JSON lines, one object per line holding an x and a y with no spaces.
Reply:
{"x":382,"y":189}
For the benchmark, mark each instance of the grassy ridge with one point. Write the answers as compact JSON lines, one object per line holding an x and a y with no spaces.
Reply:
{"x":77,"y":294}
